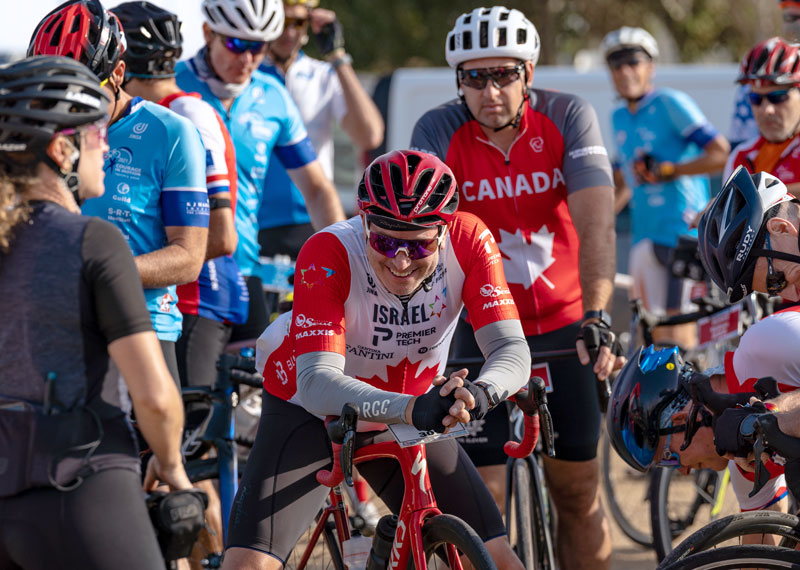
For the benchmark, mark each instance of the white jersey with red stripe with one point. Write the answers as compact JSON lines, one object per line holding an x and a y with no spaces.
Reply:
{"x":341,"y":306}
{"x":768,"y":348}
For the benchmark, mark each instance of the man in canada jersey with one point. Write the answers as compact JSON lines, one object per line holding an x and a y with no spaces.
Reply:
{"x":532,"y":165}
{"x":376,"y":301}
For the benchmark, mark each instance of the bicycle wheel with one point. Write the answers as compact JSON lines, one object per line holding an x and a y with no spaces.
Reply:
{"x":729,"y":530}
{"x":519,"y":517}
{"x":325,"y":552}
{"x":618,"y":477}
{"x":740,"y":558}
{"x":443,"y":530}
{"x":678,"y":502}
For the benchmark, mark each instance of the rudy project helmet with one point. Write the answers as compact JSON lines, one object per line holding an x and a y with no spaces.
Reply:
{"x":154,"y":39}
{"x":255,"y":20}
{"x":492,"y":32}
{"x":627,"y":38}
{"x":646,"y":393}
{"x":408,"y":190}
{"x":84,"y":31}
{"x":771,"y":62}
{"x":733,"y":224}
{"x":42,"y":95}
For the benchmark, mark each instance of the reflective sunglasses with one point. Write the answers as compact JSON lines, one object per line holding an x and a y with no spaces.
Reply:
{"x":776,"y":280}
{"x":239,"y":46}
{"x":774,"y":97}
{"x":94,"y":134}
{"x":295,"y":22}
{"x":414,"y":248}
{"x":500,"y":76}
{"x":615,"y":64}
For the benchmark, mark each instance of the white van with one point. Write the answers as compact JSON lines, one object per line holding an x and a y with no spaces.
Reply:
{"x":413,"y":91}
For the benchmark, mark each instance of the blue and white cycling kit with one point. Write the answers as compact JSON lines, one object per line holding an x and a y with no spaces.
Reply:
{"x":154,"y":178}
{"x":262,"y":119}
{"x":743,"y":123}
{"x":317,"y":92}
{"x":669,"y":126}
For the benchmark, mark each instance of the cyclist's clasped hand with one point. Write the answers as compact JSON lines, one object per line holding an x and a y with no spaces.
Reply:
{"x":457,"y":400}
{"x":598,"y":344}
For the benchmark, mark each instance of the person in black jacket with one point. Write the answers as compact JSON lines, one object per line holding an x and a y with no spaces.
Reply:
{"x":71,"y":302}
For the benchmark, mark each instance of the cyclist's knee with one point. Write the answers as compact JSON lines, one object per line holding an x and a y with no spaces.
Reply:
{"x":248,"y":559}
{"x":574,"y":486}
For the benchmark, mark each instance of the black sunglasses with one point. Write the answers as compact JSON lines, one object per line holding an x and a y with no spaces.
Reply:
{"x":500,"y":76}
{"x":618,"y":63}
{"x":774,"y":97}
{"x":776,"y":280}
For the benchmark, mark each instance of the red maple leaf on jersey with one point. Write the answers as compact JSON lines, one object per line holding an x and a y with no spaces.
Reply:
{"x":403,"y":378}
{"x":312,"y":276}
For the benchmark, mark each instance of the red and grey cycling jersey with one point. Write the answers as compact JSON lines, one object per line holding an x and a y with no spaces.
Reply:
{"x":521,"y":195}
{"x":341,"y":307}
{"x":787,"y":167}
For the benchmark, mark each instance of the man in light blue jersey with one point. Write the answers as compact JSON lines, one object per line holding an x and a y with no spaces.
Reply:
{"x":664,"y":147}
{"x":326,"y":91}
{"x":262,"y":120}
{"x":154,"y":171}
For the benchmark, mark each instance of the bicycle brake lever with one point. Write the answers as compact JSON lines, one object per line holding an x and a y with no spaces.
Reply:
{"x":761,"y":474}
{"x":347,"y":453}
{"x":603,"y":394}
{"x":545,"y":419}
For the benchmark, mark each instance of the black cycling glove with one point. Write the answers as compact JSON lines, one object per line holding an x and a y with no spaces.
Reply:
{"x":649,"y":171}
{"x":430,"y":409}
{"x":481,"y":400}
{"x":597,"y":335}
{"x":330,"y":38}
{"x":733,"y":431}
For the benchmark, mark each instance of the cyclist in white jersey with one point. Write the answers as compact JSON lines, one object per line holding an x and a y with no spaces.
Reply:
{"x":326,"y":92}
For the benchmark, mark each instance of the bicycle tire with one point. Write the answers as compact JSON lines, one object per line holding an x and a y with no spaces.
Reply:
{"x":519,"y":518}
{"x":633,"y":525}
{"x":669,"y":520}
{"x":325,"y":554}
{"x":734,"y":526}
{"x":740,"y":558}
{"x":543,"y":519}
{"x":440,"y":530}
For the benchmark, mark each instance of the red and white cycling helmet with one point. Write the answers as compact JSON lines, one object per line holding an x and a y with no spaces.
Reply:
{"x":84,"y":31}
{"x":492,"y":32}
{"x":771,"y":62}
{"x":408,"y":190}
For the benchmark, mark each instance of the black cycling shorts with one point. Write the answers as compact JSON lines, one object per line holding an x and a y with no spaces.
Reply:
{"x":572,"y":403}
{"x":279,"y":496}
{"x":101,"y":524}
{"x":257,"y":312}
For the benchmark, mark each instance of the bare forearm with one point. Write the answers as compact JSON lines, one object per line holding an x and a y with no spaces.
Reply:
{"x":222,"y":236}
{"x":363,"y":121}
{"x":712,"y":160}
{"x":170,"y":265}
{"x":789,"y":413}
{"x":325,"y":208}
{"x":592,"y":214}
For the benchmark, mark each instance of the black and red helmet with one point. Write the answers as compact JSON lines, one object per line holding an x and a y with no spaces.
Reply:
{"x":772,"y":62}
{"x":408,"y":190}
{"x":84,"y":31}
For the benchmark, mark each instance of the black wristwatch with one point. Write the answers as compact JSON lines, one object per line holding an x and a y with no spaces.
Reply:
{"x":491,"y":393}
{"x":602,"y":316}
{"x":217,"y":203}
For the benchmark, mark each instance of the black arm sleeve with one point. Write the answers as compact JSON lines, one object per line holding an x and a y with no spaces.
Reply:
{"x":117,"y":293}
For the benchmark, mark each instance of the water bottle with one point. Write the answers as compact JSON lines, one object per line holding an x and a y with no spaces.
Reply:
{"x":382,"y":543}
{"x":356,"y":551}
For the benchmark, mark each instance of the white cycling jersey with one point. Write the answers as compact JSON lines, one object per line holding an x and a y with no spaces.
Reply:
{"x":768,"y":348}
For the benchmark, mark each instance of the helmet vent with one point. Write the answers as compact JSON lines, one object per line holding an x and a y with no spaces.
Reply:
{"x":452,"y":42}
{"x":522,"y":35}
{"x":501,"y":37}
{"x":269,"y":22}
{"x":466,"y":40}
{"x":412,"y":161}
{"x":76,"y":25}
{"x":55,"y":39}
{"x":483,"y":39}
{"x":396,"y":178}
{"x":467,"y":19}
{"x":486,"y":11}
{"x":423,"y":182}
{"x":504,"y":16}
{"x":225,"y":17}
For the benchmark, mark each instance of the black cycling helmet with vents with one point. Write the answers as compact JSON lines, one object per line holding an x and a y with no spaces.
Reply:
{"x":153,"y":36}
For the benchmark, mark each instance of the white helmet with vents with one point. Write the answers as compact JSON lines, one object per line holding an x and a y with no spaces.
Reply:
{"x":629,"y":38}
{"x":254,"y":20}
{"x":492,"y":32}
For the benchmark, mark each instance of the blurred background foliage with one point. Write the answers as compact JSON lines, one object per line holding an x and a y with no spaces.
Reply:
{"x":384,"y":34}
